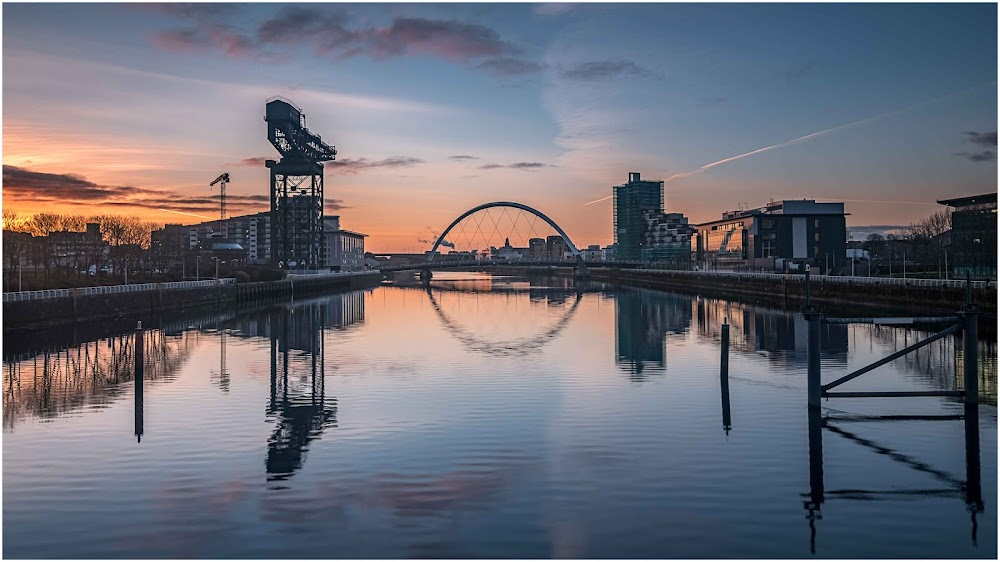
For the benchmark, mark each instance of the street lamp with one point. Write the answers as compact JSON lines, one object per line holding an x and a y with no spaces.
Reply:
{"x":197,"y":267}
{"x":216,"y":268}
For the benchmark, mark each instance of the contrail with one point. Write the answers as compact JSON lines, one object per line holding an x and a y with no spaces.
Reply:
{"x":183,"y":213}
{"x":811,"y":136}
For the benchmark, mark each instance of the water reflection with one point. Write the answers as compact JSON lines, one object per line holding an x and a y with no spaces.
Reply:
{"x":298,"y":405}
{"x":643,"y":321}
{"x":968,"y":490}
{"x":53,"y":382}
{"x":941,"y":363}
{"x":779,"y":335}
{"x":558,"y":297}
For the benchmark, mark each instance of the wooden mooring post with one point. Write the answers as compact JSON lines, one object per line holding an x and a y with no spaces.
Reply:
{"x":970,"y":340}
{"x":139,"y":366}
{"x":727,"y":422}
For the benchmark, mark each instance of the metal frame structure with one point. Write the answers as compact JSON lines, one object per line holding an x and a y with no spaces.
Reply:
{"x":966,"y":323}
{"x":296,"y":190}
{"x":581,"y":266}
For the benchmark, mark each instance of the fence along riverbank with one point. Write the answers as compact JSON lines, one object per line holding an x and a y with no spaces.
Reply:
{"x":40,"y":309}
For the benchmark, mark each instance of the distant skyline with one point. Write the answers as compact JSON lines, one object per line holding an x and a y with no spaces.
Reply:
{"x":436,"y":108}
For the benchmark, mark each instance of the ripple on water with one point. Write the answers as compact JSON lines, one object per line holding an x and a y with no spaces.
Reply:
{"x":488,"y":425}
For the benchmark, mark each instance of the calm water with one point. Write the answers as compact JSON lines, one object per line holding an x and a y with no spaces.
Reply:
{"x":489,"y":417}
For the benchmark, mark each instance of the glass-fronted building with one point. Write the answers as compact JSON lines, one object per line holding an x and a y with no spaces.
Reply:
{"x":790,"y":231}
{"x":974,"y":234}
{"x":630,"y":200}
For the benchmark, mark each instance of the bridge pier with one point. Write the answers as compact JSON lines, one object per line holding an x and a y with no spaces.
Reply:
{"x":581,"y":271}
{"x":426,"y":276}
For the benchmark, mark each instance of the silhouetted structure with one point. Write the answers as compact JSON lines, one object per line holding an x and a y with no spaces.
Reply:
{"x":642,"y":321}
{"x":781,"y":231}
{"x":630,"y":200}
{"x":974,"y":234}
{"x":296,"y":187}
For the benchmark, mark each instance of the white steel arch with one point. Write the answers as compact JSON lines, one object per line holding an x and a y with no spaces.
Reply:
{"x":511,"y":204}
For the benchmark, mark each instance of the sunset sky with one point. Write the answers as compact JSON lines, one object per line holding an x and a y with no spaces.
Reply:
{"x":134,"y":109}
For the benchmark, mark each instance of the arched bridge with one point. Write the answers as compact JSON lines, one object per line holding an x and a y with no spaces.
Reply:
{"x":434,"y":262}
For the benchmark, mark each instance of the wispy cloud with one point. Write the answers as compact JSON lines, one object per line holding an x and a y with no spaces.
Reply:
{"x":552,"y":8}
{"x":462,"y":157}
{"x":254,"y":162}
{"x":20,"y":184}
{"x":509,"y":66}
{"x":605,"y":70}
{"x":527,"y":166}
{"x":329,"y":31}
{"x":988,"y":140}
{"x":798,"y":71}
{"x":982,"y":139}
{"x":356,"y":165}
{"x":983,"y":156}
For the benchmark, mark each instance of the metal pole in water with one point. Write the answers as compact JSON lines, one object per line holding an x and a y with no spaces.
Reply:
{"x":814,"y":504}
{"x":970,"y":337}
{"x":727,"y":422}
{"x":813,"y":359}
{"x":973,"y":481}
{"x":139,"y":364}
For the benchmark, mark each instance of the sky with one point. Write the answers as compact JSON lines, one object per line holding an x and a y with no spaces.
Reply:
{"x":436,"y":108}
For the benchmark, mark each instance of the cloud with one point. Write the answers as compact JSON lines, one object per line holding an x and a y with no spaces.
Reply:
{"x":984,"y":156}
{"x":23,"y":183}
{"x":450,"y":39}
{"x":604,"y":70}
{"x":982,"y":139}
{"x":355,"y":165}
{"x":552,"y":9}
{"x":527,"y":166}
{"x":195,"y":10}
{"x":334,"y":205}
{"x":797,"y":72}
{"x":508,"y":66}
{"x":254,"y":162}
{"x":207,"y":36}
{"x":20,"y":184}
{"x":462,"y":157}
{"x":328,"y":32}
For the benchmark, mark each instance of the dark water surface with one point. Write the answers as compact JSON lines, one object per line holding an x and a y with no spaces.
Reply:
{"x":491,"y":417}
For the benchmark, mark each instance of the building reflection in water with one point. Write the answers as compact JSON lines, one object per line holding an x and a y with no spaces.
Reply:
{"x":780,"y":335}
{"x":968,"y":490}
{"x":940,"y":363}
{"x":51,"y":382}
{"x":643,"y":321}
{"x":298,"y":404}
{"x":559,"y":295}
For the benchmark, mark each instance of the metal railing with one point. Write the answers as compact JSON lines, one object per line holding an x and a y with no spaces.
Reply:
{"x":314,"y":274}
{"x":846,"y":279}
{"x":112,"y":289}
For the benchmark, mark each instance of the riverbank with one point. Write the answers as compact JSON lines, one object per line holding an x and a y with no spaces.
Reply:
{"x":78,"y":305}
{"x":788,"y":291}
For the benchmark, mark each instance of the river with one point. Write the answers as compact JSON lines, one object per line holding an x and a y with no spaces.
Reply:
{"x":490,"y":417}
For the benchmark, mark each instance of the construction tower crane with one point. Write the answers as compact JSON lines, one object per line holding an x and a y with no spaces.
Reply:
{"x":223,"y":179}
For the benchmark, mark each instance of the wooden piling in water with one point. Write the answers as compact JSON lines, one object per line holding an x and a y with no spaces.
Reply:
{"x":724,"y":378}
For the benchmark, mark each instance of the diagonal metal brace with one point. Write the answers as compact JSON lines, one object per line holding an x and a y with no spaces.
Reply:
{"x":945,"y":333}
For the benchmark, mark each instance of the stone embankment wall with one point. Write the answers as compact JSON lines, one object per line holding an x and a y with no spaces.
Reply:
{"x":832,"y":298}
{"x":829,"y":297}
{"x":41,"y":313}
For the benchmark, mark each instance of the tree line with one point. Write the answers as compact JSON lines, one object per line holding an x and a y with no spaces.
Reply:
{"x":125,"y":237}
{"x":924,"y":245}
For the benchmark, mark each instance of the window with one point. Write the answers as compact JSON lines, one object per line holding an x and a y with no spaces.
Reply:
{"x":817,"y":237}
{"x":767,"y":224}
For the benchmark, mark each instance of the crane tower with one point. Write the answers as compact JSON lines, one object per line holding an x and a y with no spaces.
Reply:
{"x":222,"y":180}
{"x":296,"y":187}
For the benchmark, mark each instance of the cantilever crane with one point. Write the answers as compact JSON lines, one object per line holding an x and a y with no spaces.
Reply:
{"x":223,"y":180}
